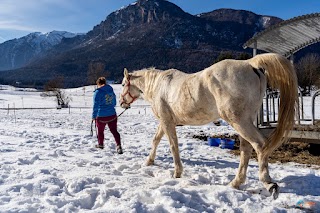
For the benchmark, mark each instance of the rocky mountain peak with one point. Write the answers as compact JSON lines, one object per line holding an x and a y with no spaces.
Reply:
{"x":158,"y":10}
{"x":138,"y":13}
{"x":242,"y":17}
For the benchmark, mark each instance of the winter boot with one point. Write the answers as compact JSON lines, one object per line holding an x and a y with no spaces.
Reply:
{"x":119,"y":149}
{"x":99,"y":146}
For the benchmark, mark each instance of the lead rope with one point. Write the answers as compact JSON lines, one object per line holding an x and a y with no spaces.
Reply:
{"x":105,"y":122}
{"x":95,"y":127}
{"x":91,"y":130}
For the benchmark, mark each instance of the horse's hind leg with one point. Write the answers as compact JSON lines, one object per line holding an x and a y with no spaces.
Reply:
{"x":156,"y":140}
{"x":264,"y":176}
{"x":245,"y":154}
{"x":251,"y":134}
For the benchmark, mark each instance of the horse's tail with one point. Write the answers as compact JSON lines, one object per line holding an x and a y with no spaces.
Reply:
{"x":280,"y":75}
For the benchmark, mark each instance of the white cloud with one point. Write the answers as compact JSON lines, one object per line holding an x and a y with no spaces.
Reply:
{"x":12,"y":25}
{"x":35,"y":15}
{"x":20,"y":17}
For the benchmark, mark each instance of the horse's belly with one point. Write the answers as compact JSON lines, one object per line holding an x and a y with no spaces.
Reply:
{"x":197,"y":117}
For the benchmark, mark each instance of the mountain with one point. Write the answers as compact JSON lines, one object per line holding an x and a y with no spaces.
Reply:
{"x":237,"y":26}
{"x":144,"y":34}
{"x":19,"y":52}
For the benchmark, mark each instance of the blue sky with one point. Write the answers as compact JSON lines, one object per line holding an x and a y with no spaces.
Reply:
{"x":21,"y":17}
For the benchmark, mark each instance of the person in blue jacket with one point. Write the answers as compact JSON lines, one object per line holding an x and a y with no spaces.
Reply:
{"x":104,"y":113}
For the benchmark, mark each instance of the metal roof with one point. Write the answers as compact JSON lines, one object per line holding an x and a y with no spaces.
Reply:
{"x":289,"y":36}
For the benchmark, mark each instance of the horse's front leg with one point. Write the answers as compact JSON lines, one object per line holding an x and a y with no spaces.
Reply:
{"x":170,"y":131}
{"x":156,"y":140}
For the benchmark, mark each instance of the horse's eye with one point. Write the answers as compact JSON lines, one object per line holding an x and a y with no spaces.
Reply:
{"x":123,"y":85}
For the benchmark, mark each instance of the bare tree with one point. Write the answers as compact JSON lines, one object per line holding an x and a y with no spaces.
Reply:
{"x":53,"y":88}
{"x":308,"y":70}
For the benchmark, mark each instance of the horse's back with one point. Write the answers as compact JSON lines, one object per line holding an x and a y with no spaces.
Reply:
{"x":231,"y":76}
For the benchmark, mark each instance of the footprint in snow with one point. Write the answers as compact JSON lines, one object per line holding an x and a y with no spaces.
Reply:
{"x":27,"y":162}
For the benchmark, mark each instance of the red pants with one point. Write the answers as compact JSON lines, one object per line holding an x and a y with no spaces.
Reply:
{"x":101,"y":123}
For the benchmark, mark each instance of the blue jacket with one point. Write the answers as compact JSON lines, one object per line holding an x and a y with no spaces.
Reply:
{"x":104,"y":101}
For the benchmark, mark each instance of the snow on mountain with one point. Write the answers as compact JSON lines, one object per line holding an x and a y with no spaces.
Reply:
{"x":51,"y":38}
{"x":16,"y":53}
{"x":265,"y":21}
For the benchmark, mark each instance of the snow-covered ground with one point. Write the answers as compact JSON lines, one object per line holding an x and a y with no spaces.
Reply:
{"x":49,"y":164}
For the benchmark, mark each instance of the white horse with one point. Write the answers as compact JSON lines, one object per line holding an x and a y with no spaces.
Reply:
{"x":232,"y":90}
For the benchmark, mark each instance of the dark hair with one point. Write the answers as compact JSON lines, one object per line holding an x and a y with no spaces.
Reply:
{"x":101,"y":80}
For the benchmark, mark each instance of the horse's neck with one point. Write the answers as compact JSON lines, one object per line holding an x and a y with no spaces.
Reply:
{"x":147,"y":83}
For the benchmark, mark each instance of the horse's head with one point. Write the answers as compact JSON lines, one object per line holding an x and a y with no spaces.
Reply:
{"x":130,"y":92}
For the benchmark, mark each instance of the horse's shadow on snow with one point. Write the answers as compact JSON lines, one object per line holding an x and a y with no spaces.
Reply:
{"x":218,"y":164}
{"x":301,"y":185}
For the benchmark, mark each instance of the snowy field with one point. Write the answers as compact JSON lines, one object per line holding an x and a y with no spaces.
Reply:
{"x":49,"y":164}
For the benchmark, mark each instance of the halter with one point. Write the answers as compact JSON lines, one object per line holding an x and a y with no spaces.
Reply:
{"x":128,"y":92}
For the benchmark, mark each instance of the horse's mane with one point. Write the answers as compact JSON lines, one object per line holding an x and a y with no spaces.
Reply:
{"x":154,"y":79}
{"x":149,"y":69}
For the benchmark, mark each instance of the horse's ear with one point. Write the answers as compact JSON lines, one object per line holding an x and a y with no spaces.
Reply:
{"x":126,"y":73}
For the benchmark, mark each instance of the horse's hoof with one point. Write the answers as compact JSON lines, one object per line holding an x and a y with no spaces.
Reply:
{"x":149,"y":163}
{"x":274,"y":191}
{"x":176,"y":175}
{"x":234,"y":185}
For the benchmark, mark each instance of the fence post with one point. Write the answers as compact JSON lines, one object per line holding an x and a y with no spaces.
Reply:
{"x":14,"y":113}
{"x":267,"y":109}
